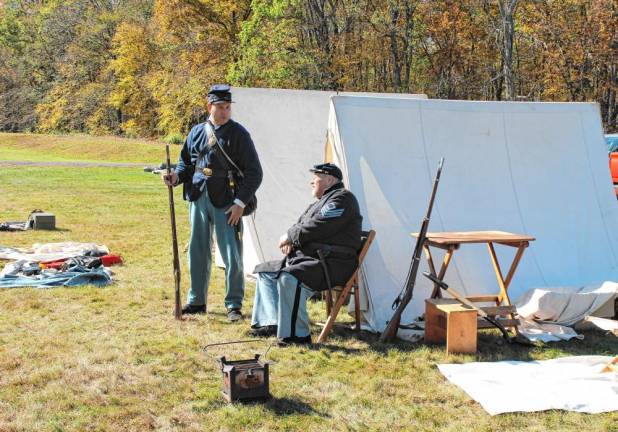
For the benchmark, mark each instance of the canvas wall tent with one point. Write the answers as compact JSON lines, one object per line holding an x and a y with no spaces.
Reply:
{"x":533,"y":168}
{"x":288,"y":128}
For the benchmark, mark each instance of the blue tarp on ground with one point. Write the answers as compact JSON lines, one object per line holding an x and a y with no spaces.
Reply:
{"x":77,"y":275}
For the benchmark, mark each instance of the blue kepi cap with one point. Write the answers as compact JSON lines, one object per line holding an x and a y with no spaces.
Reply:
{"x":219,"y":93}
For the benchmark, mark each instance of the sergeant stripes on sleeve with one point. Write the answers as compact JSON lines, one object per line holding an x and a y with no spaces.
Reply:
{"x":329,"y":213}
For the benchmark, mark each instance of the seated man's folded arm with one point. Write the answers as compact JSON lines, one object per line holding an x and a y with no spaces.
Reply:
{"x":335,"y":215}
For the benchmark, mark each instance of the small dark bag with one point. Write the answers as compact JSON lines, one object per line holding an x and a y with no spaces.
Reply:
{"x":190,"y":192}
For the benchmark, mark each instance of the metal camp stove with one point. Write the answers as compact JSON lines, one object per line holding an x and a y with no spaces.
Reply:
{"x":244,"y":380}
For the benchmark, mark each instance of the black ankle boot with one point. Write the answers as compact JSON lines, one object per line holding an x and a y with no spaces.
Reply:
{"x":193,"y":309}
{"x":265,"y":331}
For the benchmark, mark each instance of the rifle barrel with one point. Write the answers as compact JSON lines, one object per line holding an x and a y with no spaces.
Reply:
{"x":170,"y":190}
{"x":401,"y":302}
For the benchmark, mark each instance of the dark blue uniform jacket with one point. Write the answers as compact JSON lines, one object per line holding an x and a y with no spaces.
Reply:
{"x":237,"y":143}
{"x":333,"y":224}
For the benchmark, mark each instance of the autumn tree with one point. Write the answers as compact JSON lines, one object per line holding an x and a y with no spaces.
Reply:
{"x":143,"y":67}
{"x":196,"y":43}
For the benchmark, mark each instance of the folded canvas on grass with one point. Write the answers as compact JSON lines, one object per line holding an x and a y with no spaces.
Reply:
{"x":571,"y":383}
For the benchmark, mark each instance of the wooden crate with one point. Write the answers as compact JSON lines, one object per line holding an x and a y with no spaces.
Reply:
{"x":448,"y":321}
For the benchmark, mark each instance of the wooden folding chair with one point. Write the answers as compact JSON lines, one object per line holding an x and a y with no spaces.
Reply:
{"x":342,"y":293}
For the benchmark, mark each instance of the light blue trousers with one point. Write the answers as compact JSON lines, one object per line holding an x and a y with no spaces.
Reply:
{"x":204,"y":216}
{"x":282,"y":302}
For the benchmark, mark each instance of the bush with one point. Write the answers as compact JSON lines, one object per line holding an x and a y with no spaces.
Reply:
{"x":174,"y":138}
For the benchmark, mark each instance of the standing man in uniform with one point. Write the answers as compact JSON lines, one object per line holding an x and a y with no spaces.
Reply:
{"x":321,"y":251}
{"x":208,"y":167}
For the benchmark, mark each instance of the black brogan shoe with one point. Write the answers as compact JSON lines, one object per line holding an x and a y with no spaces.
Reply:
{"x":189,"y":309}
{"x":234,"y":315}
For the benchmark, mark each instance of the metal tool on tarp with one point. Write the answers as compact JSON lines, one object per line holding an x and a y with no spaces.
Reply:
{"x":244,"y":380}
{"x":519,"y":339}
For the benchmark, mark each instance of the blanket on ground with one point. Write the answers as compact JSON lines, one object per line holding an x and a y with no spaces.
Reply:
{"x":547,"y":314}
{"x":570,"y":383}
{"x":52,"y":251}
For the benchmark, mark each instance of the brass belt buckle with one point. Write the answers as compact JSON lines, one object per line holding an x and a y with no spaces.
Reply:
{"x":207,"y":172}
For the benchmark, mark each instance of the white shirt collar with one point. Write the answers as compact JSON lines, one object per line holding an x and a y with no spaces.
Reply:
{"x":211,"y":120}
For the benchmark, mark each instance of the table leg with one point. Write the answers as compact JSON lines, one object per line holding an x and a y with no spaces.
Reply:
{"x":502,"y":282}
{"x":432,"y":270}
{"x":520,"y":251}
{"x":503,"y":297}
{"x":498,"y":271}
{"x":436,"y":293}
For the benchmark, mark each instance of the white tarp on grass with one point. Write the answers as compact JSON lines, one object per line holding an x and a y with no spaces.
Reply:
{"x":529,"y":168}
{"x":569,"y":383}
{"x":47,"y":252}
{"x":288,"y":128}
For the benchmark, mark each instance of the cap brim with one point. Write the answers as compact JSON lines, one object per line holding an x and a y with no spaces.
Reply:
{"x":323,"y":172}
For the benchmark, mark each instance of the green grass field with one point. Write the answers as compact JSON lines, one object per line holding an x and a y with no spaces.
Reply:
{"x":83,"y":148}
{"x":114,"y":359}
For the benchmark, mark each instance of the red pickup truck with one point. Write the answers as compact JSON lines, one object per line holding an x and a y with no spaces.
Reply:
{"x":612,"y":146}
{"x":613,"y":168}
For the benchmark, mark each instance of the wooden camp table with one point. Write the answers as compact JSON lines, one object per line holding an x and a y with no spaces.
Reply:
{"x":451,"y":241}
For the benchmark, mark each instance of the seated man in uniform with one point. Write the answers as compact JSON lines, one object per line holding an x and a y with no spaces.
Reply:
{"x":320,"y":251}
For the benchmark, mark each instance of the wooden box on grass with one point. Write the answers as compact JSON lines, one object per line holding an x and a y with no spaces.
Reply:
{"x":447,"y":320}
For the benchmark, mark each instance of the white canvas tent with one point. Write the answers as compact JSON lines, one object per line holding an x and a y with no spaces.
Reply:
{"x":288,"y":128}
{"x":532,"y":168}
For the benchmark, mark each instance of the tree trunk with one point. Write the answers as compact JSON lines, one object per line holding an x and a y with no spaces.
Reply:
{"x":612,"y":104}
{"x":393,"y":11}
{"x":318,"y":31}
{"x":507,"y":10}
{"x":408,"y":47}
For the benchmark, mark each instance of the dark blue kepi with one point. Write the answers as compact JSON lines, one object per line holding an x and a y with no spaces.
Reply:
{"x":328,"y":168}
{"x":219,"y":93}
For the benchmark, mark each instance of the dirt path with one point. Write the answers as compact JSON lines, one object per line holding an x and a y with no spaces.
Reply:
{"x":12,"y":163}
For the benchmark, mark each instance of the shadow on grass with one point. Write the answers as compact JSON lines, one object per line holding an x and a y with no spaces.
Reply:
{"x":217,"y":313}
{"x":290,"y":406}
{"x":337,"y":348}
{"x":21,"y":231}
{"x":491,"y":346}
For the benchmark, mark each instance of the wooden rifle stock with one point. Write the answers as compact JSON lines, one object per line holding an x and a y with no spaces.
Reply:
{"x":170,"y":189}
{"x":405,"y":296}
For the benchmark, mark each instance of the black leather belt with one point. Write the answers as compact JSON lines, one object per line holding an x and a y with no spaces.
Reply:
{"x":345,"y":250}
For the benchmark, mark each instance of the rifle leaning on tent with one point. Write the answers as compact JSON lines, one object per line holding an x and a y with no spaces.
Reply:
{"x":170,"y":190}
{"x":405,"y":296}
